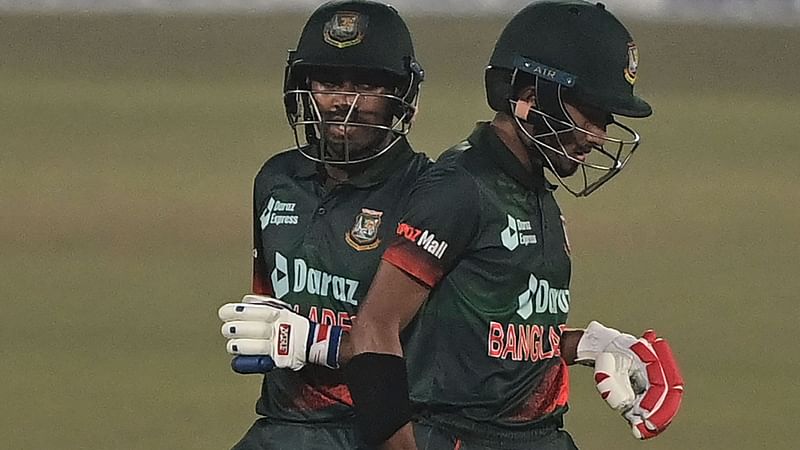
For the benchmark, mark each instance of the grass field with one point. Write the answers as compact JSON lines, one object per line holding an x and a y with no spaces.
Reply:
{"x":127,"y":150}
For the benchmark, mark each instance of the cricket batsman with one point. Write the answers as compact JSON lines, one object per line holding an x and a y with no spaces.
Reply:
{"x":324,"y":212}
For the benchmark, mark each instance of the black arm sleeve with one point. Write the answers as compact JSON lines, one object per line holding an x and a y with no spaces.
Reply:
{"x":378,"y":384}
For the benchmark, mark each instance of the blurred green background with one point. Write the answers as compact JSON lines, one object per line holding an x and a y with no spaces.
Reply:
{"x":128,"y":145}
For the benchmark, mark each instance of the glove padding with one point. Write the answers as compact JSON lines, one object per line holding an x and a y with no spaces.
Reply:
{"x":639,"y":378}
{"x":265,"y":333}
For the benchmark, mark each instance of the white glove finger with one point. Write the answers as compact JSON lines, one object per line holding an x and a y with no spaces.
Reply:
{"x":240,"y":329}
{"x":250,"y":347}
{"x":246,"y":311}
{"x":636,"y":426}
{"x":612,"y":380}
{"x":635,"y":415}
{"x":641,"y":429}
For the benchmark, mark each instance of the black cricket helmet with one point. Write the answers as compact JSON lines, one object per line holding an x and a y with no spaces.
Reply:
{"x":571,"y":51}
{"x":342,"y":38}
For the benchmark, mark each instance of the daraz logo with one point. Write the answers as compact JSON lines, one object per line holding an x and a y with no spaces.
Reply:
{"x":518,"y":232}
{"x":300,"y":277}
{"x":277,"y":213}
{"x":541,"y":298}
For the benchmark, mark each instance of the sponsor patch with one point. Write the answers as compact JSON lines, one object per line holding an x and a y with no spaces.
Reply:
{"x":633,"y":63}
{"x":297,"y":276}
{"x":345,"y":29}
{"x":518,"y":232}
{"x":541,"y":298}
{"x":423,"y":238}
{"x":363,"y":235}
{"x":284,"y":331}
{"x":278,"y":213}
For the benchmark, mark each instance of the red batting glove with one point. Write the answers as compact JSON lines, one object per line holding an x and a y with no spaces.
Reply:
{"x":643,"y":383}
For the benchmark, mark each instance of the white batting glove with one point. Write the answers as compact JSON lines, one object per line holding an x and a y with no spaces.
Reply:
{"x":261,"y":326}
{"x":639,"y":378}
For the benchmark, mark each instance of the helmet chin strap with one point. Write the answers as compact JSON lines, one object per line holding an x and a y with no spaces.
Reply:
{"x":522,"y":109}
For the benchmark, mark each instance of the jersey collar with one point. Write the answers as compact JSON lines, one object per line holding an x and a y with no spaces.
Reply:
{"x":499,"y":154}
{"x":375,"y":171}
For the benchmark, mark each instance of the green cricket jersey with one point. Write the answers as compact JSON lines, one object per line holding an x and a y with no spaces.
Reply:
{"x":487,"y":236}
{"x":318,"y":250}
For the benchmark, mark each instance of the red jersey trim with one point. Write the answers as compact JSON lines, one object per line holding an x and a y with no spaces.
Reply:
{"x":261,"y":285}
{"x":551,"y":394}
{"x":415,"y":261}
{"x":315,"y":397}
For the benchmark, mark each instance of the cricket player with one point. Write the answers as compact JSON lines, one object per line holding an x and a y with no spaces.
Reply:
{"x":462,"y":341}
{"x":325,"y":210}
{"x":478,"y":280}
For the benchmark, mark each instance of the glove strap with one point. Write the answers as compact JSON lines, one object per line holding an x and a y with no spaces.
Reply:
{"x":323,"y":344}
{"x":595,"y":338}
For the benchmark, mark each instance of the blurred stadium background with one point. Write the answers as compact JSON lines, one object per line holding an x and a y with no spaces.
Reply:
{"x":130,"y":134}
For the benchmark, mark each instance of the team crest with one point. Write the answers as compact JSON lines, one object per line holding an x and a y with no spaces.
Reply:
{"x":633,"y":63}
{"x":345,"y":29}
{"x":364,"y":234}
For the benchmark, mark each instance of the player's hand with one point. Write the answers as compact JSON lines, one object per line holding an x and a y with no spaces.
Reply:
{"x":264,"y":333}
{"x":639,"y":378}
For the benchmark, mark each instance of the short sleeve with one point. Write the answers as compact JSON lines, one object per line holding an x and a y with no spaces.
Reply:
{"x":439,"y":224}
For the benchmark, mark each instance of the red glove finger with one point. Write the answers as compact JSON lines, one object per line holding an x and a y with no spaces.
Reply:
{"x":655,"y":376}
{"x":667,"y":358}
{"x":664,"y":413}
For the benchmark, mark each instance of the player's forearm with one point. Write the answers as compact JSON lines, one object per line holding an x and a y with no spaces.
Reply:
{"x":391,"y":303}
{"x":569,"y":345}
{"x":345,"y":349}
{"x":372,"y":360}
{"x":371,"y":333}
{"x":369,"y":337}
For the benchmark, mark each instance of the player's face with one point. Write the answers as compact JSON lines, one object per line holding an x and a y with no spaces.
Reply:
{"x":575,"y":143}
{"x":354,"y":100}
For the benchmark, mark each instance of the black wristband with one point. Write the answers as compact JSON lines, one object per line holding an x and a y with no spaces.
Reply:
{"x":379,"y":387}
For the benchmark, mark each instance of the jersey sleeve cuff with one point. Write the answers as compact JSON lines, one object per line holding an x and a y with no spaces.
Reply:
{"x":407,"y":257}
